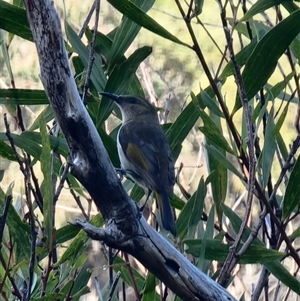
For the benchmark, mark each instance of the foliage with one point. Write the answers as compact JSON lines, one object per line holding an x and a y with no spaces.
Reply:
{"x":32,"y":260}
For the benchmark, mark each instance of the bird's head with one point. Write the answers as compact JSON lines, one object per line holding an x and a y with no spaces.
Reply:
{"x":132,"y":107}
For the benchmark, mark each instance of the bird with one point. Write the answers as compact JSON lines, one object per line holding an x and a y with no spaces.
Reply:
{"x":145,"y":153}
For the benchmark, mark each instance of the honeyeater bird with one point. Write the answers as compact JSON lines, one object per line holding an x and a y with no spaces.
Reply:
{"x":144,"y":152}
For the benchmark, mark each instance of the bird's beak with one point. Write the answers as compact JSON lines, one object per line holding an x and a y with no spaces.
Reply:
{"x":112,"y":96}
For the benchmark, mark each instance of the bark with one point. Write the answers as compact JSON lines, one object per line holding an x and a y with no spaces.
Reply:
{"x":126,"y":229}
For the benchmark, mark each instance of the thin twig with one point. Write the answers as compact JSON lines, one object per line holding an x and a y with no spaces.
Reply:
{"x":62,"y":181}
{"x":33,"y":234}
{"x":15,"y":291}
{"x":87,"y":20}
{"x":92,"y":49}
{"x":133,"y":281}
{"x":232,"y":257}
{"x":114,"y":285}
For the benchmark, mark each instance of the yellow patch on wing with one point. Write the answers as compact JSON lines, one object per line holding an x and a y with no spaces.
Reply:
{"x":136,"y":155}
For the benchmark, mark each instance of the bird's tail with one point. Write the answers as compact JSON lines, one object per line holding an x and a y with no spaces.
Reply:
{"x":167,"y":216}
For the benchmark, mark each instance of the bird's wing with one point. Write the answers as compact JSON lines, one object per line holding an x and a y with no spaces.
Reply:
{"x":142,"y":151}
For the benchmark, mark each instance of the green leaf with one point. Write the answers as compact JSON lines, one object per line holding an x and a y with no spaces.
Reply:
{"x":120,"y":80}
{"x":50,"y":297}
{"x":211,"y":103}
{"x":292,"y":193}
{"x":83,"y":277}
{"x":212,"y":150}
{"x":149,"y":292}
{"x":295,"y":234}
{"x":66,"y":233}
{"x":198,"y":8}
{"x":46,"y":186}
{"x":6,"y":152}
{"x":268,"y":149}
{"x":295,"y":47}
{"x":191,"y":213}
{"x":57,"y":143}
{"x":203,"y":264}
{"x":121,"y":266}
{"x":131,"y":11}
{"x":290,"y":6}
{"x":31,"y":142}
{"x":216,"y":250}
{"x":47,"y":114}
{"x":236,"y":223}
{"x":280,"y":121}
{"x":125,"y":34}
{"x":23,"y":97}
{"x":97,"y":75}
{"x":181,"y":127}
{"x":219,"y":179}
{"x":241,"y":58}
{"x":111,"y":147}
{"x":274,"y":91}
{"x":282,"y":274}
{"x":212,"y":133}
{"x":282,"y":146}
{"x":264,"y":58}
{"x":261,"y":6}
{"x":18,"y":230}
{"x":14,"y":20}
{"x":78,"y":244}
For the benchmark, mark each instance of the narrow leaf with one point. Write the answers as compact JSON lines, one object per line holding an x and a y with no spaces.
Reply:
{"x":23,"y":97}
{"x":260,"y":6}
{"x":46,"y":186}
{"x":213,"y":133}
{"x":282,"y":274}
{"x":97,"y":76}
{"x":268,"y":149}
{"x":181,"y":127}
{"x":292,"y":194}
{"x":119,"y":81}
{"x":6,"y":152}
{"x":191,"y":213}
{"x":279,"y":87}
{"x":264,"y":58}
{"x":131,"y":11}
{"x":222,"y":158}
{"x":126,"y":32}
{"x":216,"y":250}
{"x":19,"y":231}
{"x":14,"y":20}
